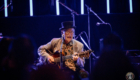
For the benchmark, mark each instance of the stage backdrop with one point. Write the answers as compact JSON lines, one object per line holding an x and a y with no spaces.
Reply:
{"x":44,"y":28}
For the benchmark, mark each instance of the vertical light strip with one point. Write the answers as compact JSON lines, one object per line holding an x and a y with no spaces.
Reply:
{"x":57,"y":7}
{"x":108,"y":7}
{"x":82,"y":6}
{"x":131,"y":6}
{"x":31,"y":7}
{"x":6,"y":9}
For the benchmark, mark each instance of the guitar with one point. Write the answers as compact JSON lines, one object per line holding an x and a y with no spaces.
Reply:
{"x":56,"y":57}
{"x":84,"y":54}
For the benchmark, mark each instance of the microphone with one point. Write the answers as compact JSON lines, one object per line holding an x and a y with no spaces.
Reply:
{"x":98,"y":24}
{"x":62,"y":35}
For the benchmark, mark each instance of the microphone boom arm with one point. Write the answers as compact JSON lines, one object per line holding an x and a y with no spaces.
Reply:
{"x":98,"y":17}
{"x":72,"y":12}
{"x":94,"y":13}
{"x":68,"y":8}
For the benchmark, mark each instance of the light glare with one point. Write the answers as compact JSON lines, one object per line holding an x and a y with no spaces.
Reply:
{"x":108,"y":7}
{"x":31,"y":7}
{"x":57,"y":7}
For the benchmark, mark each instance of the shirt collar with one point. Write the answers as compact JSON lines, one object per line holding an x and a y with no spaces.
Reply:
{"x":70,"y":43}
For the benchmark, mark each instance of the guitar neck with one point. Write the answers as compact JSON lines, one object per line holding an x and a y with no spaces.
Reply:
{"x":82,"y":54}
{"x":63,"y":58}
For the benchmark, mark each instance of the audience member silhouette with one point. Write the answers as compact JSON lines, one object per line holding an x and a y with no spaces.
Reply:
{"x":4,"y":45}
{"x":52,"y":72}
{"x":18,"y":63}
{"x":113,"y":64}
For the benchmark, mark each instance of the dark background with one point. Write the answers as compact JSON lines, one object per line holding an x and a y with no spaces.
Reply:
{"x":44,"y":28}
{"x":44,"y":25}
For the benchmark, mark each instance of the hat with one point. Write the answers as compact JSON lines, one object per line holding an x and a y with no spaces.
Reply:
{"x":66,"y":25}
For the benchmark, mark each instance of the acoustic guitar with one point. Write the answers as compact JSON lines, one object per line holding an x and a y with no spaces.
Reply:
{"x":56,"y":55}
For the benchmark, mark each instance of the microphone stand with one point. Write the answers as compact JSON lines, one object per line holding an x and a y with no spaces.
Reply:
{"x":72,"y":12}
{"x":98,"y":16}
{"x":95,"y":57}
{"x":88,"y":10}
{"x":61,"y":63}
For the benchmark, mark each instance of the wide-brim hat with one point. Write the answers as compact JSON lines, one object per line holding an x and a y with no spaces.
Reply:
{"x":66,"y":25}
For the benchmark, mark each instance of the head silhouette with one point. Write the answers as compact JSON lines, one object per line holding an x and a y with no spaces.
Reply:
{"x":22,"y":50}
{"x":113,"y":40}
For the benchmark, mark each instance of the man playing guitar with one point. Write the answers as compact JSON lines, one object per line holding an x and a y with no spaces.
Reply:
{"x":70,"y":46}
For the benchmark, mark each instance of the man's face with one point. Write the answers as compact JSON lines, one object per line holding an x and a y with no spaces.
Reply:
{"x":69,"y":33}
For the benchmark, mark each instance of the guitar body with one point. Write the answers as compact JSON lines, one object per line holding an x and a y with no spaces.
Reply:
{"x":56,"y":56}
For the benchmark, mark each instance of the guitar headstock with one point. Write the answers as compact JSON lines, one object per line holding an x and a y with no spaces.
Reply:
{"x":85,"y":54}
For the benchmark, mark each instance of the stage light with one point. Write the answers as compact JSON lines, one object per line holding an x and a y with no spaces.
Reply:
{"x":82,"y":6}
{"x":6,"y":9}
{"x":31,"y":7}
{"x":108,"y":7}
{"x":57,"y":7}
{"x":131,"y":6}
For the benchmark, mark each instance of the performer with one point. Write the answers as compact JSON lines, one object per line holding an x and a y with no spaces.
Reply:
{"x":70,"y":47}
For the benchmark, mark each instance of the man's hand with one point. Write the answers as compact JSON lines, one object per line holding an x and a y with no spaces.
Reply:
{"x":75,"y":57}
{"x":50,"y":59}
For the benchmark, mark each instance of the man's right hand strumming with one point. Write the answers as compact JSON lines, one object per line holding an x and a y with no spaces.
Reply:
{"x":50,"y":59}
